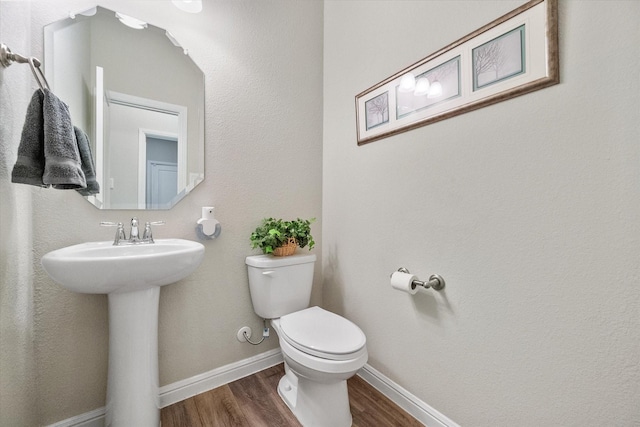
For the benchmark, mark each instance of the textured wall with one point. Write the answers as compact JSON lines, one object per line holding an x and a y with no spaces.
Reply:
{"x":17,"y":362}
{"x":528,"y":208}
{"x":263,"y":62}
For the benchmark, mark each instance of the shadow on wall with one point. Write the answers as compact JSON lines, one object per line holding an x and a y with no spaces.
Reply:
{"x":332,"y":287}
{"x":429,"y":303}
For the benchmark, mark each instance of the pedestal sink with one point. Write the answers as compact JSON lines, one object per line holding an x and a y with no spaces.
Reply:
{"x":131,"y":275}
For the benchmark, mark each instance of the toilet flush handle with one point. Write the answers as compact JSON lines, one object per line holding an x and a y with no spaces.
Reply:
{"x":268,"y":273}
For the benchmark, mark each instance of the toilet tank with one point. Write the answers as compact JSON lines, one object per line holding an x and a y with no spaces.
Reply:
{"x":280,"y":285}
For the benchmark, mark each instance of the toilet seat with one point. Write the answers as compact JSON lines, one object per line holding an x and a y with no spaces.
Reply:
{"x":303,"y":363}
{"x":323,"y":334}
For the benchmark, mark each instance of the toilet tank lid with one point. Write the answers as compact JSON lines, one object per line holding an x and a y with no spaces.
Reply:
{"x":270,"y":261}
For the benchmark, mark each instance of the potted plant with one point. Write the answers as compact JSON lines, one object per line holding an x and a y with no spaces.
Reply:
{"x":281,"y":238}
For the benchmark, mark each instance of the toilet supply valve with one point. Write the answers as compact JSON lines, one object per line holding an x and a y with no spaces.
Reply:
{"x":244,"y":334}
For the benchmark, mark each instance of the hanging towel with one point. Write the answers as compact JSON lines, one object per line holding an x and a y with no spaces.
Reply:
{"x":87,"y":164}
{"x":29,"y":167}
{"x":62,"y":167}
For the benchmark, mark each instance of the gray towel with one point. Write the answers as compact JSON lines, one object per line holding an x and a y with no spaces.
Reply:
{"x":62,"y":167}
{"x":87,"y":164}
{"x":29,"y":167}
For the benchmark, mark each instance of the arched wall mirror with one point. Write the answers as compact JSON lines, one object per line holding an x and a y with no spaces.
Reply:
{"x":140,"y":98}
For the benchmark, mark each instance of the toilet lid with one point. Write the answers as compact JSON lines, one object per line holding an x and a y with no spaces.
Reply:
{"x":322,"y":333}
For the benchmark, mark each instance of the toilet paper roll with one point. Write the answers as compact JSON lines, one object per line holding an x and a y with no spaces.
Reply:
{"x":402,"y":282}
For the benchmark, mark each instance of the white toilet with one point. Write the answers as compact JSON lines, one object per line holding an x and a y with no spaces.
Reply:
{"x":321,"y":349}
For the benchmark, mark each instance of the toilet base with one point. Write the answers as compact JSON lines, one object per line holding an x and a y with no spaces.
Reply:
{"x":316,"y":404}
{"x":288,"y":393}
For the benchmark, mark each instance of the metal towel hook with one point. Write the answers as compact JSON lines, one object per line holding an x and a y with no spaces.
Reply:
{"x":39,"y":75}
{"x":7,"y":58}
{"x":435,"y":281}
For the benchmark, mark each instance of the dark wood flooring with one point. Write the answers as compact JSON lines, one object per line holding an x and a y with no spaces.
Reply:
{"x":254,"y":402}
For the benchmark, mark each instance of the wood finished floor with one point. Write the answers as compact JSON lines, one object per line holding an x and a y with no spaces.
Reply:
{"x":254,"y":402}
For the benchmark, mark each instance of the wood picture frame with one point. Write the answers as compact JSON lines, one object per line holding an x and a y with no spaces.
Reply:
{"x":511,"y":56}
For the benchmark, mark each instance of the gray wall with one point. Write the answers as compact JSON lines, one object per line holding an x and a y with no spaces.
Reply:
{"x":263,"y":157}
{"x":17,"y":360}
{"x":528,"y":208}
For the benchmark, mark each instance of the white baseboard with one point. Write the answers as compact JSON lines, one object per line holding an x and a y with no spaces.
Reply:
{"x":189,"y":387}
{"x":184,"y":389}
{"x":93,"y":418}
{"x":407,"y":401}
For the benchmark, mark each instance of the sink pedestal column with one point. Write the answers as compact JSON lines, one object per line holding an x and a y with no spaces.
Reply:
{"x":132,"y":388}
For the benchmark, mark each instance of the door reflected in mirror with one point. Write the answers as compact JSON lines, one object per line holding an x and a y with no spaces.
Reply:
{"x":140,"y":97}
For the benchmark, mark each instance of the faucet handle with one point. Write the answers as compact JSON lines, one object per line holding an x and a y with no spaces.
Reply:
{"x":147,"y":236}
{"x":119,"y":231}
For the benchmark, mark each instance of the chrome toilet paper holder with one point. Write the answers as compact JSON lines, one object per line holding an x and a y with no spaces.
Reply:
{"x":436,"y":282}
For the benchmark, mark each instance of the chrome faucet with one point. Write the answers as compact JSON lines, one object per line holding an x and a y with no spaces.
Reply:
{"x":134,"y":235}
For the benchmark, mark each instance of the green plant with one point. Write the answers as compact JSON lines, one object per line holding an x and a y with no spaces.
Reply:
{"x":273,"y":233}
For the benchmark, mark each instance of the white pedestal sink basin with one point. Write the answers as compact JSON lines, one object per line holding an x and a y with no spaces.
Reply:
{"x":131,"y":275}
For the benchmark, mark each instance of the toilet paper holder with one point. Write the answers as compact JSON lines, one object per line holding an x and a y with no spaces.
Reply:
{"x":436,"y":282}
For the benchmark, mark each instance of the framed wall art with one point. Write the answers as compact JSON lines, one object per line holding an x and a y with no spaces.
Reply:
{"x":513,"y":55}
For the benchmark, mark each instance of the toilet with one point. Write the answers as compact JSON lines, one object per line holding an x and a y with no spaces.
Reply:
{"x":321,"y":349}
